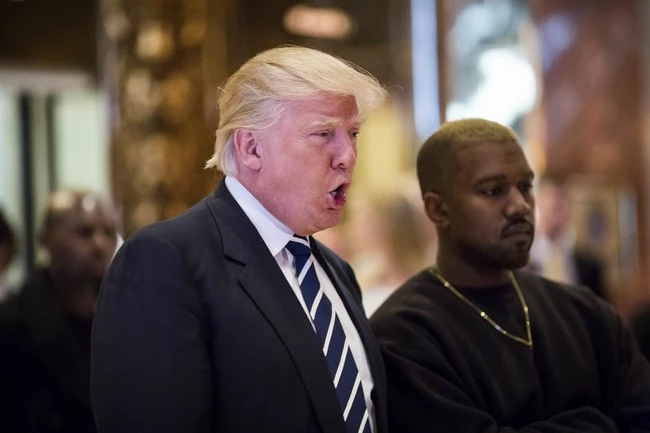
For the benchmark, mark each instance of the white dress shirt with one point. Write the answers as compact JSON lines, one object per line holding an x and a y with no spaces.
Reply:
{"x":276,"y":235}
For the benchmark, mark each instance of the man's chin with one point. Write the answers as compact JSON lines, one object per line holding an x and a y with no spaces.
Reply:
{"x":515,"y":263}
{"x":335,"y":217}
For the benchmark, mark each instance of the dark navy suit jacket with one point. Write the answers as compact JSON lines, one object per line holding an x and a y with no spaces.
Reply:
{"x":197,"y":330}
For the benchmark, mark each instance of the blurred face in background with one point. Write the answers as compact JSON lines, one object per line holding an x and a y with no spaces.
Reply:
{"x":553,"y":210}
{"x":81,"y":238}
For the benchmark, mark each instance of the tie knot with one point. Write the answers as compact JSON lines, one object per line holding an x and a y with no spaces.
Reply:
{"x":299,"y":246}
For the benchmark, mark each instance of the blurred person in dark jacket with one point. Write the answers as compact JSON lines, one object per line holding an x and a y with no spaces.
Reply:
{"x":45,"y":327}
{"x":555,"y":253}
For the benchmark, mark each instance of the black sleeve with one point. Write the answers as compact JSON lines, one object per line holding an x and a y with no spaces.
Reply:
{"x":641,"y":328}
{"x":632,"y":399}
{"x":150,"y":370}
{"x":425,"y":393}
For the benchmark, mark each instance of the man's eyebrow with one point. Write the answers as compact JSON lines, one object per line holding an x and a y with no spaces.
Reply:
{"x":331,"y":122}
{"x":501,"y":177}
{"x":323,"y":123}
{"x":490,"y":178}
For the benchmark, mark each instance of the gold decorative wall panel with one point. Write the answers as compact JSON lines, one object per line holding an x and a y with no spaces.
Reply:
{"x":154,"y":70}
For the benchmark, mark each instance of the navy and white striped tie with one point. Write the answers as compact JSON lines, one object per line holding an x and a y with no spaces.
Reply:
{"x":345,"y":373}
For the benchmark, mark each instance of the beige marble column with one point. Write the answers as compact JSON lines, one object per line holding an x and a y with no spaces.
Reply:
{"x":154,"y":71}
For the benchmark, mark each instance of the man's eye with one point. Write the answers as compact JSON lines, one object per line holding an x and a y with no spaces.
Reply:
{"x":492,"y":191}
{"x":526,"y":187}
{"x":355,"y":134}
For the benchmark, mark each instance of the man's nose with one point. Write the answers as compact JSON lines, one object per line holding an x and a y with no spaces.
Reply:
{"x":347,"y":153}
{"x":519,"y":203}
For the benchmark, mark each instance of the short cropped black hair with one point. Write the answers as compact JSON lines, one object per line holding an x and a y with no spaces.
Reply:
{"x":436,"y":159}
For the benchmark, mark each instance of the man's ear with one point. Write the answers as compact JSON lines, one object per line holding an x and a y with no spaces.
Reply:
{"x":436,"y":208}
{"x":247,"y":149}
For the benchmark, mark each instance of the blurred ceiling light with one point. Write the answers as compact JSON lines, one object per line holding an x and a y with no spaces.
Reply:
{"x":317,"y":22}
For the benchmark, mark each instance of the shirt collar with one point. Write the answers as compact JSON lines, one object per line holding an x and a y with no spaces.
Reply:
{"x":274,"y":233}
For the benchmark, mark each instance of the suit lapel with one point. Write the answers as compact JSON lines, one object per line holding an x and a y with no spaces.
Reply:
{"x":265,"y":284}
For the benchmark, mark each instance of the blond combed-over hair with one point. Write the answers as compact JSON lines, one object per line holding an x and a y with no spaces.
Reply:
{"x":253,"y":98}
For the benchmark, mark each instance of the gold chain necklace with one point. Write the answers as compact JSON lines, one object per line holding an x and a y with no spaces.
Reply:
{"x":529,"y":338}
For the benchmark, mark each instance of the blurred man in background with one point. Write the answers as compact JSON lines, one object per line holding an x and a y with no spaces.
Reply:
{"x":45,"y":327}
{"x":555,"y":254}
{"x":391,"y":242}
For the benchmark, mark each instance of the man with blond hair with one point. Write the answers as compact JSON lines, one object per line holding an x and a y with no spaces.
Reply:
{"x":231,"y":317}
